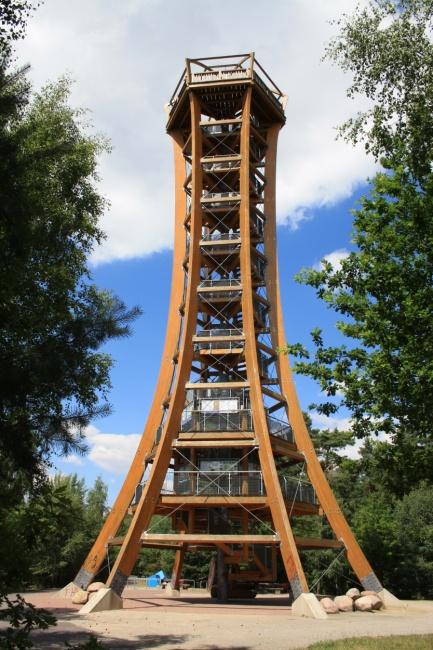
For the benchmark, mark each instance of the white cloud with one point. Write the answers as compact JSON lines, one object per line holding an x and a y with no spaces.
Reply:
{"x":111,"y":451}
{"x":321,"y":421}
{"x":127,"y":57}
{"x":335,"y":258}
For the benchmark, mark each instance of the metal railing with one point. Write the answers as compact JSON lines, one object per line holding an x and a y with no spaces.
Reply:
{"x":217,"y":345}
{"x":219,"y":332}
{"x":202,"y":421}
{"x":217,"y":166}
{"x":219,"y":75}
{"x":221,"y":129}
{"x":280,"y":429}
{"x":220,"y":195}
{"x":237,"y":483}
{"x":223,"y":282}
{"x":217,"y":236}
{"x":241,"y":420}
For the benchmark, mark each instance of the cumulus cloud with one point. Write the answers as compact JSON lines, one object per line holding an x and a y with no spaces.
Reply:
{"x":111,"y":451}
{"x":127,"y":56}
{"x":321,"y":421}
{"x":335,"y":258}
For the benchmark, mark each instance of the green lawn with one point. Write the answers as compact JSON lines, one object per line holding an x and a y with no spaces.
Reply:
{"x":424,"y":642}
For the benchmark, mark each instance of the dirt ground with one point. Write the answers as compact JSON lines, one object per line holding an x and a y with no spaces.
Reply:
{"x":195,"y":622}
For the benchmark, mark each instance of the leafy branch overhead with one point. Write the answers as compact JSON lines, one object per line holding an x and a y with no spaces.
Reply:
{"x":387,"y":47}
{"x":382,"y":293}
{"x":55,"y":320}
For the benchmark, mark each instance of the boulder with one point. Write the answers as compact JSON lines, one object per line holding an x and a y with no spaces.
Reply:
{"x":95,"y":586}
{"x":376,"y":602}
{"x":344,"y":603}
{"x":363,"y":604}
{"x":353,"y":593}
{"x":370,"y":593}
{"x":329,"y":606}
{"x":80,"y":597}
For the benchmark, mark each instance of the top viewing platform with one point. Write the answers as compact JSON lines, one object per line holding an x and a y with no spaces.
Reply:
{"x":230,"y":70}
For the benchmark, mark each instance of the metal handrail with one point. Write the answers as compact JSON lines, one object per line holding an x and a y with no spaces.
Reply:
{"x":221,"y":129}
{"x":216,"y":345}
{"x":223,"y":282}
{"x":216,"y":236}
{"x":219,"y":195}
{"x":202,"y":421}
{"x":235,"y":483}
{"x":219,"y":332}
{"x":280,"y":429}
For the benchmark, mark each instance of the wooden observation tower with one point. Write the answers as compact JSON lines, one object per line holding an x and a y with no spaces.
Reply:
{"x":225,"y":428}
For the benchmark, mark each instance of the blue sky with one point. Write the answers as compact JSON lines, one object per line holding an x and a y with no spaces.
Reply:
{"x":126,"y":59}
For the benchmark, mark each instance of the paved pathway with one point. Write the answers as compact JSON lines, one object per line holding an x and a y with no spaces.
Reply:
{"x":194,"y":622}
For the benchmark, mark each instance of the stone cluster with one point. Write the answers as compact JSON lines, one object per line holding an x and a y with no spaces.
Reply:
{"x":353,"y":600}
{"x":82,"y":595}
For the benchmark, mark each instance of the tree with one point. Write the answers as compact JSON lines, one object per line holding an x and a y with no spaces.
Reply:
{"x":383,"y":291}
{"x":54,"y":320}
{"x":13,"y":22}
{"x":414,"y":520}
{"x":49,"y":532}
{"x":387,"y":48}
{"x":96,"y":508}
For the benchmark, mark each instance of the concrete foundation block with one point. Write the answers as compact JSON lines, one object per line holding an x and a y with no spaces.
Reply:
{"x":389,"y":600}
{"x":102,"y":600}
{"x":308,"y":605}
{"x":68,"y":592}
{"x":171,"y":592}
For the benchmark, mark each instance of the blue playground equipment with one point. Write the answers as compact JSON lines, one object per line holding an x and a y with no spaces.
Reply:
{"x":156,"y":579}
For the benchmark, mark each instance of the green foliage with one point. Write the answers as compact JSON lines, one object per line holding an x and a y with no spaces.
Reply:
{"x":375,"y":527}
{"x":13,"y":22}
{"x":54,"y":319}
{"x":409,"y":642}
{"x":22,"y":617}
{"x":48,"y":533}
{"x":383,"y":291}
{"x":387,"y":49}
{"x":414,"y":522}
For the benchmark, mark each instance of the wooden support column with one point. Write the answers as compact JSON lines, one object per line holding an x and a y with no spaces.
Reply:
{"x":326,"y":497}
{"x":176,"y":574}
{"x":277,"y":506}
{"x":96,"y":555}
{"x":129,"y":551}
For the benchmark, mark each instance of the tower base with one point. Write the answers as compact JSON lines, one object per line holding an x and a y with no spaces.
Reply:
{"x":102,"y":600}
{"x":307,"y":605}
{"x":171,"y":592}
{"x":68,"y":591}
{"x":389,"y":600}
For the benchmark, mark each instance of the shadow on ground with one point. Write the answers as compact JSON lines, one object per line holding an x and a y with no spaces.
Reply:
{"x":56,"y":639}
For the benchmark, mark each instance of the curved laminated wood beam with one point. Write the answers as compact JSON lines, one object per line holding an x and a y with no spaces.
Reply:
{"x":326,"y":497}
{"x":118,"y":511}
{"x":129,"y":551}
{"x":280,"y":518}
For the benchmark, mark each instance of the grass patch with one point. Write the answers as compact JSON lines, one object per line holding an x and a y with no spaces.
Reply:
{"x":414,"y":642}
